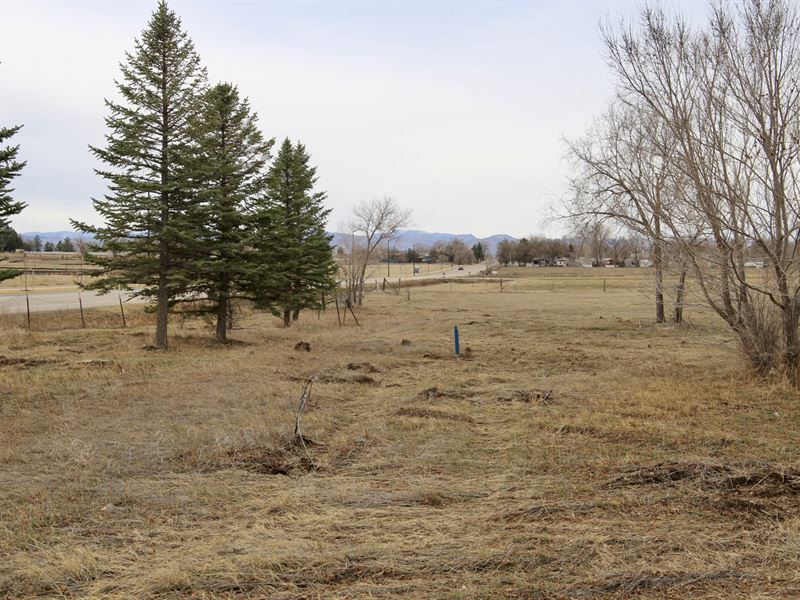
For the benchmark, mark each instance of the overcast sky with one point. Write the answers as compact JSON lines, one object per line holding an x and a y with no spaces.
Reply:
{"x":456,"y":109}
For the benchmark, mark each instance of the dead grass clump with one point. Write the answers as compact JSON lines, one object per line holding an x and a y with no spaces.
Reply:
{"x":429,"y":413}
{"x":302,"y":347}
{"x":627,"y":585}
{"x":747,"y":509}
{"x":543,"y":397}
{"x":291,"y":458}
{"x":434,"y":392}
{"x":537,"y":512}
{"x":363,"y":366}
{"x":431,"y":498}
{"x":282,"y":456}
{"x":761,"y":480}
{"x":359,"y":379}
{"x":25,"y":363}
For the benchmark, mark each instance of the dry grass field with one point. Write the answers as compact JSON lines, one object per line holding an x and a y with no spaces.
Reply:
{"x":43,"y":270}
{"x":575,"y":450}
{"x":41,"y":282}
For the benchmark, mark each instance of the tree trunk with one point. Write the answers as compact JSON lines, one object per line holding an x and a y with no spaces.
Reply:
{"x":791,"y":353}
{"x":162,"y":312}
{"x":222,"y":317}
{"x":658,"y":263}
{"x":679,"y":292}
{"x":296,"y":314}
{"x":287,"y":317}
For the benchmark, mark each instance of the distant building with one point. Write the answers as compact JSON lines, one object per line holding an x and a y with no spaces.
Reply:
{"x":562,"y":262}
{"x":756,"y":264}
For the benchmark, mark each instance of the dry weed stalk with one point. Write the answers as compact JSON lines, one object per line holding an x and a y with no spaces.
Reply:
{"x":305,"y":395}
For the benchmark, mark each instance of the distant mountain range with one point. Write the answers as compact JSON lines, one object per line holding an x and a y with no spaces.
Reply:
{"x":404,"y":240}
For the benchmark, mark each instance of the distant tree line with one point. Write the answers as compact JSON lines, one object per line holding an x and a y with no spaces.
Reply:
{"x":197,"y":212}
{"x":453,"y":251}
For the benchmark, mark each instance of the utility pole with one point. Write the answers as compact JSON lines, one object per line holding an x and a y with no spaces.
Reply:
{"x":387,"y":258}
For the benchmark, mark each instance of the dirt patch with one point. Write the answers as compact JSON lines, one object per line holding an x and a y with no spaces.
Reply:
{"x":302,"y":347}
{"x":363,"y":366}
{"x":25,"y":363}
{"x":758,"y":480}
{"x":428,"y":413}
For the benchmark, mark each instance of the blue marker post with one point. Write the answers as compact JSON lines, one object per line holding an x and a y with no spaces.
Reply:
{"x":455,"y":338}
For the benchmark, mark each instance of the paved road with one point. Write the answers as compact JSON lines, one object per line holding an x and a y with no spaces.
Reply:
{"x":53,"y":299}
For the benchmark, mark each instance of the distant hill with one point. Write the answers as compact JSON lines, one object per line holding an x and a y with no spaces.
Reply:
{"x":404,"y":240}
{"x":54,"y":236}
{"x":407,"y":238}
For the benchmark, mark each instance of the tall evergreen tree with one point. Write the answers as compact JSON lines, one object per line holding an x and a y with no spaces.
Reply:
{"x":290,"y":236}
{"x":10,"y":168}
{"x":228,"y":168}
{"x":148,"y":213}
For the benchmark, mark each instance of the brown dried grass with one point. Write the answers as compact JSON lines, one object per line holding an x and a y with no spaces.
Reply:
{"x":656,"y":468}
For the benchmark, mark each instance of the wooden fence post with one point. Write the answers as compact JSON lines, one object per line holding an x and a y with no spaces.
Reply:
{"x":28,"y":307}
{"x":122,"y":311}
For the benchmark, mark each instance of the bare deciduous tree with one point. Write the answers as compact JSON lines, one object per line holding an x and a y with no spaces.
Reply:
{"x":727,"y":99}
{"x":623,"y":173}
{"x":374,"y":223}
